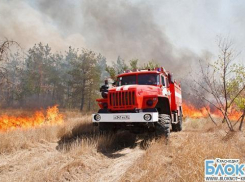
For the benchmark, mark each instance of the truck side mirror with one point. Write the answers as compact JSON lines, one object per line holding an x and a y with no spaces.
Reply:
{"x":170,"y":78}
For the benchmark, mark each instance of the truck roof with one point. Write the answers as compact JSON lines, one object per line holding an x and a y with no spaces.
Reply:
{"x":138,"y":72}
{"x":141,"y":72}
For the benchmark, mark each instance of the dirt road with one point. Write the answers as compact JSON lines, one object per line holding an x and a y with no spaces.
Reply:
{"x":118,"y":164}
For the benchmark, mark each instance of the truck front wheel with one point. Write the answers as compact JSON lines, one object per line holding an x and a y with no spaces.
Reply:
{"x":163,"y":125}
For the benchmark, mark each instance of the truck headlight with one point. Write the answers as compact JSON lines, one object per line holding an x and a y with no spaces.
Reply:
{"x":147,"y":117}
{"x":149,"y":102}
{"x":105,"y":105}
{"x":97,"y":117}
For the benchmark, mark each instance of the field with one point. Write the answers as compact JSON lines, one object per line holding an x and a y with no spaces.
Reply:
{"x":74,"y":151}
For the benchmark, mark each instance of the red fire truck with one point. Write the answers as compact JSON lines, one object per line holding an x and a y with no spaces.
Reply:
{"x":141,"y":101}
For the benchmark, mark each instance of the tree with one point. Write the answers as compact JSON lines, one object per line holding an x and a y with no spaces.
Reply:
{"x":120,"y":65}
{"x":235,"y":85}
{"x":5,"y":48}
{"x":134,"y":64}
{"x":4,"y":57}
{"x":67,"y":66}
{"x":112,"y":72}
{"x":217,"y":78}
{"x":102,"y":66}
{"x":150,"y":65}
{"x":85,"y":75}
{"x":11,"y":91}
{"x":41,"y":76}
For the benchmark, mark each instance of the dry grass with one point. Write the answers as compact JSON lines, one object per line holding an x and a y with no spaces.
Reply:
{"x":24,"y":139}
{"x":76,"y":152}
{"x":68,"y":152}
{"x":76,"y":124}
{"x":76,"y":131}
{"x":183,"y":158}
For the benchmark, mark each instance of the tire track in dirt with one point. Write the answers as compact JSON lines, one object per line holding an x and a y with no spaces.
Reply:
{"x":118,"y":164}
{"x":43,"y":162}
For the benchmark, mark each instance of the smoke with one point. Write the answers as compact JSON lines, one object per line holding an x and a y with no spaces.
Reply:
{"x":126,"y":28}
{"x":131,"y":29}
{"x":112,"y":28}
{"x":21,"y":22}
{"x":122,"y":28}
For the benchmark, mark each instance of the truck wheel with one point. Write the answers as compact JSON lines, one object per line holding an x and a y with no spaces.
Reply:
{"x":105,"y":128}
{"x":163,"y":125}
{"x":178,"y":126}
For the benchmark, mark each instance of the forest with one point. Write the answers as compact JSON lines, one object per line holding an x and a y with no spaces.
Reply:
{"x":71,"y":79}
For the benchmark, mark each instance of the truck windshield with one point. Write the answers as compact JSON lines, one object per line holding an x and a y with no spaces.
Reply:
{"x":126,"y":80}
{"x":143,"y":79}
{"x":148,"y":79}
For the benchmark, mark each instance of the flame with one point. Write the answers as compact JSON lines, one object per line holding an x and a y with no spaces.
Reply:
{"x":52,"y":117}
{"x":234,"y":115}
{"x":192,"y":112}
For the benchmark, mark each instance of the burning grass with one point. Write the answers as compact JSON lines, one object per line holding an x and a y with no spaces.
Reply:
{"x":60,"y":131}
{"x":192,"y":112}
{"x":50,"y":117}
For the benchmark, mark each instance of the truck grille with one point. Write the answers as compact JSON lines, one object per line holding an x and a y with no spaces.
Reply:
{"x":120,"y":99}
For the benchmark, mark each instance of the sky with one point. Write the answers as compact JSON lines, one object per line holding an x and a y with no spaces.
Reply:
{"x":175,"y":33}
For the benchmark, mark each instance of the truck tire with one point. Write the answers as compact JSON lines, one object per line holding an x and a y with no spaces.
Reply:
{"x":163,"y":125}
{"x":178,"y":126}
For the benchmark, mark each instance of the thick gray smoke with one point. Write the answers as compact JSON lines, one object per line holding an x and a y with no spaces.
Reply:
{"x":122,"y":28}
{"x":22,"y":22}
{"x":112,"y":28}
{"x":119,"y":28}
{"x":131,"y":29}
{"x":127,"y":28}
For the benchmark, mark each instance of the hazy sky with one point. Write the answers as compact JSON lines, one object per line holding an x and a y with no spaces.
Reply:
{"x":173,"y":30}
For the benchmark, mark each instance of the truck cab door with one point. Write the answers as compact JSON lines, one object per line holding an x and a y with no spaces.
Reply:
{"x":165,"y":90}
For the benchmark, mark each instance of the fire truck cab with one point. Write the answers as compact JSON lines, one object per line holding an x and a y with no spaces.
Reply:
{"x":141,"y":101}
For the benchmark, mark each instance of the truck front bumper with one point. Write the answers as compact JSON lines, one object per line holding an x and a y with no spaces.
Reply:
{"x":125,"y":117}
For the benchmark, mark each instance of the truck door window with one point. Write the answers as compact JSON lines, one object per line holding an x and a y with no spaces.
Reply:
{"x":167,"y":83}
{"x":163,"y":80}
{"x":126,"y":80}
